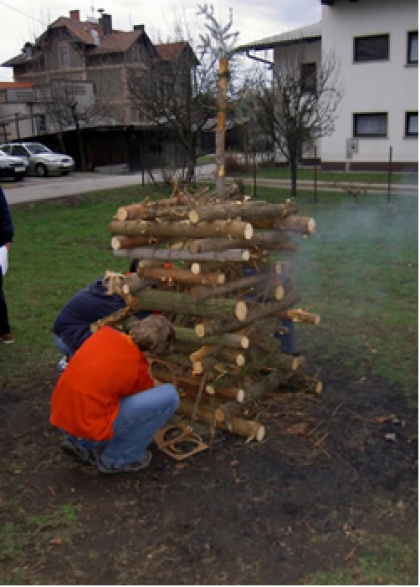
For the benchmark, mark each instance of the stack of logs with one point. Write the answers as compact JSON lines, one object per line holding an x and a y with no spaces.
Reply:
{"x":210,"y":266}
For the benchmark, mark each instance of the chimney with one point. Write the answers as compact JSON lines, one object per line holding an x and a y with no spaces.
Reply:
{"x":139,"y":27}
{"x":75,"y":15}
{"x":106,"y":23}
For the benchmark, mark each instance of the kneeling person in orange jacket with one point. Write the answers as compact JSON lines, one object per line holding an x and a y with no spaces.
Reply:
{"x":105,"y":404}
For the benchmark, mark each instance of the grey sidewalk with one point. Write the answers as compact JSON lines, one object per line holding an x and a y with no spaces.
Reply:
{"x":33,"y":189}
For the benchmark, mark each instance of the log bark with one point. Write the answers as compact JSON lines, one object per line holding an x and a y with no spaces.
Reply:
{"x":302,"y":224}
{"x":169,"y":274}
{"x":301,"y":382}
{"x":228,"y":340}
{"x":129,"y":242}
{"x":226,"y":393}
{"x":201,"y":293}
{"x":251,"y":430}
{"x":212,"y":363}
{"x":151,"y":211}
{"x":224,"y":256}
{"x":213,"y":327}
{"x":246,"y":211}
{"x":178,"y":302}
{"x":113,"y":319}
{"x":299,"y":315}
{"x":234,"y":229}
{"x":263,"y":329}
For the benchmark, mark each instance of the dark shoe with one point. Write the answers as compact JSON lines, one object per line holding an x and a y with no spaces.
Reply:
{"x":142,"y":463}
{"x":88,"y":457}
{"x":7,"y":338}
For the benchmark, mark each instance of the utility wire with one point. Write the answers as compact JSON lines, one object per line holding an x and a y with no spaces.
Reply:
{"x":23,"y":13}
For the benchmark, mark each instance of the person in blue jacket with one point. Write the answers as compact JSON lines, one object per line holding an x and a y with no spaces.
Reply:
{"x":6,"y":238}
{"x":93,"y":302}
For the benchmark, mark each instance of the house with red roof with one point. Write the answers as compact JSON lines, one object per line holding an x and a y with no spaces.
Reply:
{"x":97,"y":63}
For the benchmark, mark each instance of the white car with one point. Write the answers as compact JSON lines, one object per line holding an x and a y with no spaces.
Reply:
{"x":13,"y":167}
{"x":42,"y":160}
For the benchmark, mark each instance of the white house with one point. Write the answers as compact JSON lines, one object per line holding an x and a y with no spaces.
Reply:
{"x":375,"y":44}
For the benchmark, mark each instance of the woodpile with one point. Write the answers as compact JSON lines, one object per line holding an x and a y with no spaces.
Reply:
{"x":212,"y":266}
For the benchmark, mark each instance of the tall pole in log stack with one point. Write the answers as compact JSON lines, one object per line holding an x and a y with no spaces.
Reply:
{"x":221,"y":127}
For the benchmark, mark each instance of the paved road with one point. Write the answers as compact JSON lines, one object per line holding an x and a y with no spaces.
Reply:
{"x":32,"y":189}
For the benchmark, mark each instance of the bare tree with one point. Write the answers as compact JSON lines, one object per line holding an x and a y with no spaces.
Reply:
{"x":70,"y":107}
{"x":181,"y":93}
{"x":299,"y":107}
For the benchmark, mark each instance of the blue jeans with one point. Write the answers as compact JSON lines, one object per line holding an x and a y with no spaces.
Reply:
{"x":62,"y":347}
{"x":139,"y":417}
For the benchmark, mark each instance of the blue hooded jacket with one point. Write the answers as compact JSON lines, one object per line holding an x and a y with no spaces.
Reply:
{"x":92,"y":303}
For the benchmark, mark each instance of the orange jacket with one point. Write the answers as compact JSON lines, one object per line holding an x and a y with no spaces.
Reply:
{"x":106,"y":367}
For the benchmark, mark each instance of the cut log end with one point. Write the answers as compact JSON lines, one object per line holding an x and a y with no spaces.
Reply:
{"x":121,"y":214}
{"x":241,"y":311}
{"x":311,"y":226}
{"x":248,"y":231}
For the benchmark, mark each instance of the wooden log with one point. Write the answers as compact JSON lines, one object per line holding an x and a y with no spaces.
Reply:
{"x":251,"y":430}
{"x":177,"y":274}
{"x":299,"y":315}
{"x":228,"y":340}
{"x":201,"y":293}
{"x":245,"y":211}
{"x":203,"y":351}
{"x":180,"y":381}
{"x":301,"y":382}
{"x":212,"y":327}
{"x":179,"y":302}
{"x":231,"y":356}
{"x":133,"y":284}
{"x":209,"y":364}
{"x":151,"y":211}
{"x":213,"y":244}
{"x":184,"y":255}
{"x":113,"y":319}
{"x":263,"y":329}
{"x":234,"y":228}
{"x":226,"y":393}
{"x":254,"y":391}
{"x":129,"y":242}
{"x":302,"y":224}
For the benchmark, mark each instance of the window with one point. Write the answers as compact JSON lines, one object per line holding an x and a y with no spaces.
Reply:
{"x":64,"y":56}
{"x":370,"y":125}
{"x":411,"y":124}
{"x":308,"y":77}
{"x":19,"y":151}
{"x":375,"y":48}
{"x":42,"y":123}
{"x":413,"y":47}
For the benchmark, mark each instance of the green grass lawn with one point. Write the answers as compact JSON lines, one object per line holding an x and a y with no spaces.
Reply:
{"x":268,"y":171}
{"x":359,"y":271}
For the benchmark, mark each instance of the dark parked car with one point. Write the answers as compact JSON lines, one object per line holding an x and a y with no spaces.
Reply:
{"x":12,"y":167}
{"x":42,"y":160}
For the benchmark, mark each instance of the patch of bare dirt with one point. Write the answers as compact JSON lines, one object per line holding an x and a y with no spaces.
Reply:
{"x":332,"y":471}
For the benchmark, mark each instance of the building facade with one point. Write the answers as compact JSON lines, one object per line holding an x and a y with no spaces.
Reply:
{"x":90,"y":65}
{"x":375,"y":47}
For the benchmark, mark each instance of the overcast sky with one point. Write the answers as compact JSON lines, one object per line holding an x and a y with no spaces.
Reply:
{"x":24,"y":20}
